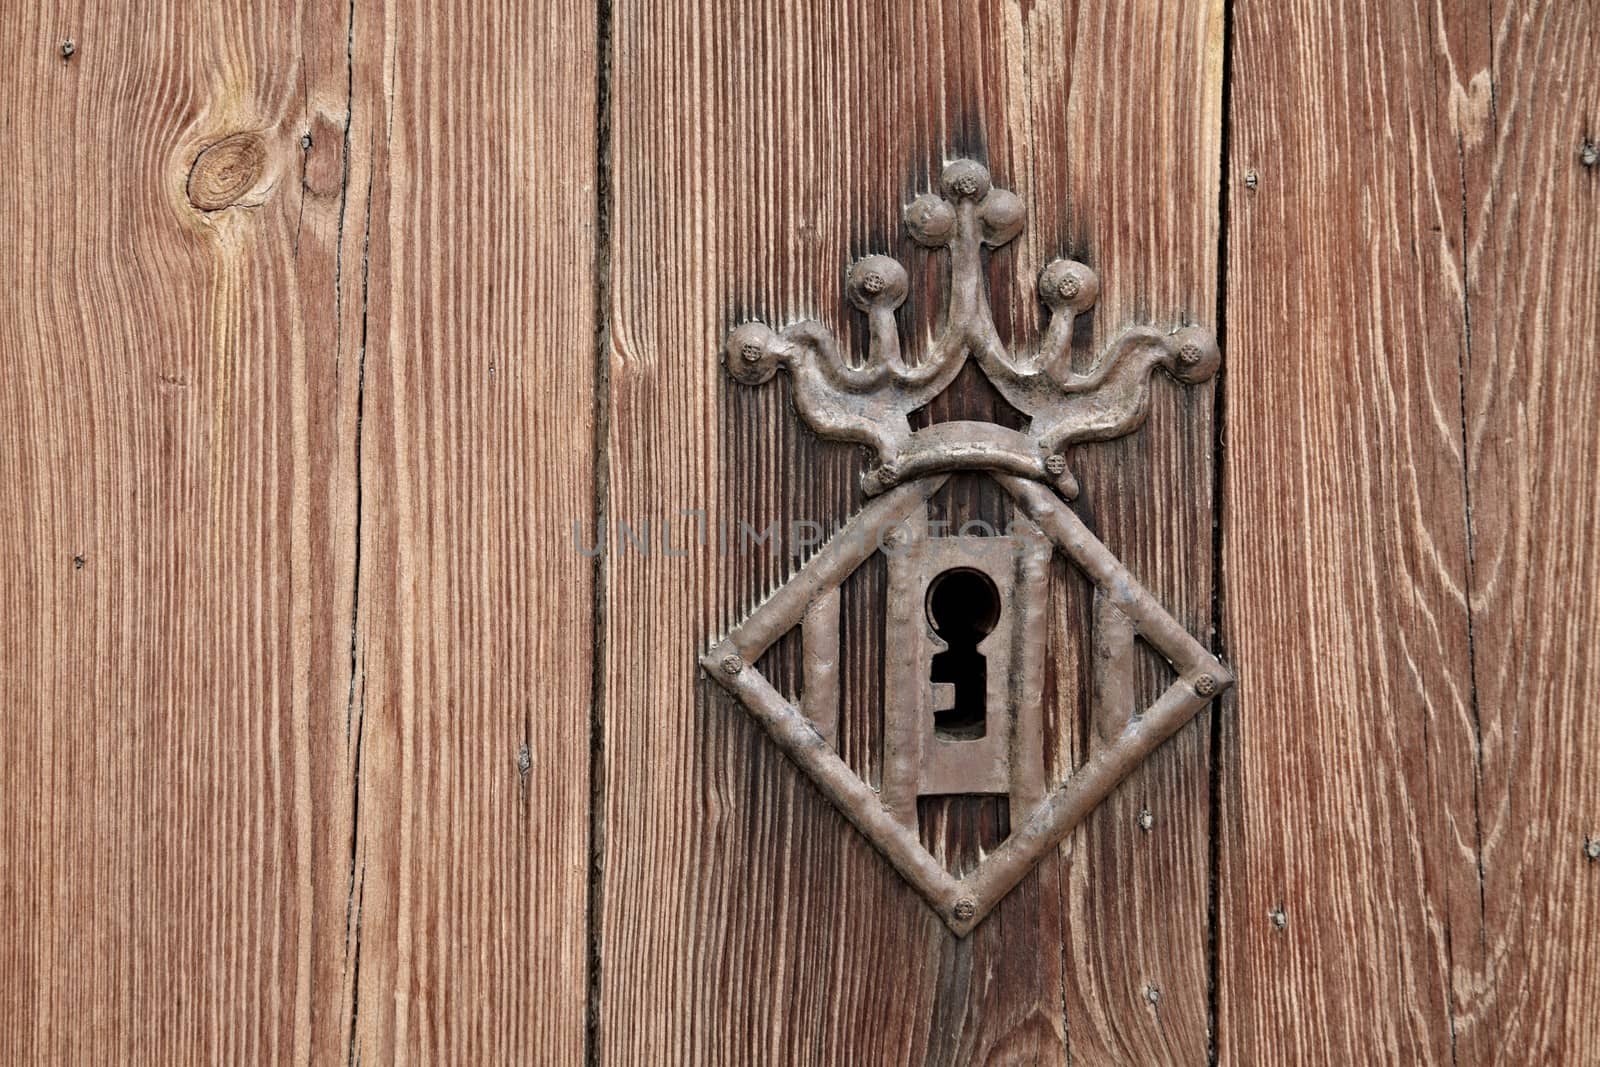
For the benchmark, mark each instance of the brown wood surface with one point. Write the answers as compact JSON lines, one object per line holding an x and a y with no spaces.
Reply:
{"x":1526,"y":986}
{"x":287,"y":584}
{"x":318,"y":315}
{"x":1409,"y":551}
{"x":481,"y":621}
{"x":755,"y":152}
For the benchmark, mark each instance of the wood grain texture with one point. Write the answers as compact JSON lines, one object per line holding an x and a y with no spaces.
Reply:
{"x":756,"y":151}
{"x":477,"y":637}
{"x":296,"y":733}
{"x":173,"y":575}
{"x":1139,"y":160}
{"x":1409,"y":556}
{"x":300,"y":426}
{"x":1526,"y":987}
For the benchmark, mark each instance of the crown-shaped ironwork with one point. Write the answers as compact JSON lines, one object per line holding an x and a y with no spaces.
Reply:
{"x":870,"y":402}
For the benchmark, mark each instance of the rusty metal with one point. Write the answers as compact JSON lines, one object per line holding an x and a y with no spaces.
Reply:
{"x":869,"y":404}
{"x":957,"y":766}
{"x":819,"y":693}
{"x":903,"y":673}
{"x":1007,"y":758}
{"x":1111,"y":685}
{"x":888,"y":820}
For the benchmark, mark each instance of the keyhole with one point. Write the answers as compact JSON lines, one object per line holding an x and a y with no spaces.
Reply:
{"x":963,"y":606}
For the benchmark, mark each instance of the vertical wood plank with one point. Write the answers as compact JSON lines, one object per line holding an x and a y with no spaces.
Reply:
{"x":1123,"y":147}
{"x":296,"y":638}
{"x":1348,"y":850}
{"x":1527,"y":963}
{"x":757,"y":150}
{"x":479,"y":433}
{"x":1407,"y":536}
{"x":176,"y":581}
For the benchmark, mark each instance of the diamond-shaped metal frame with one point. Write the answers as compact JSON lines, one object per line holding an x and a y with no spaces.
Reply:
{"x":964,"y":902}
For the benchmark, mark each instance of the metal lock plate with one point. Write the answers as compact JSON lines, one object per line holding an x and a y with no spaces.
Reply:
{"x":930,"y":749}
{"x":961,"y":736}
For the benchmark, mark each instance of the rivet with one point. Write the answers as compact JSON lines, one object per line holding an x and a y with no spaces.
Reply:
{"x":1056,"y":464}
{"x":1146,"y":820}
{"x":68,"y":47}
{"x":896,"y":536}
{"x":732,"y":664}
{"x":965,"y":909}
{"x":1205,"y":685}
{"x":931,"y":219}
{"x":966,"y":185}
{"x":872,"y":283}
{"x":1189,"y":354}
{"x":1279,"y":919}
{"x":752,"y":352}
{"x":1069,"y":288}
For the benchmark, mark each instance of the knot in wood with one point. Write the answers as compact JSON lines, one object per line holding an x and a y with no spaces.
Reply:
{"x":225,"y":171}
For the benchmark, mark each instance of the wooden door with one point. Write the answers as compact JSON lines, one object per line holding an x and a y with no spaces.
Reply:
{"x":337,"y":336}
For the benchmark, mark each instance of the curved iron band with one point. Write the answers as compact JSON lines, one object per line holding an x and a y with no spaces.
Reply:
{"x":965,"y":446}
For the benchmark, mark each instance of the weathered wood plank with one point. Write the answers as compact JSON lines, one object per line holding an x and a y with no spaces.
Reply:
{"x":1527,"y":964}
{"x":175,"y":604}
{"x":756,"y":152}
{"x":296,"y":641}
{"x":477,"y":603}
{"x":1411,"y":333}
{"x":1347,"y":843}
{"x":1135,"y":172}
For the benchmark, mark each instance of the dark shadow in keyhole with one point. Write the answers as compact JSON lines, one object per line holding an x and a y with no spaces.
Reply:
{"x":963,"y":607}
